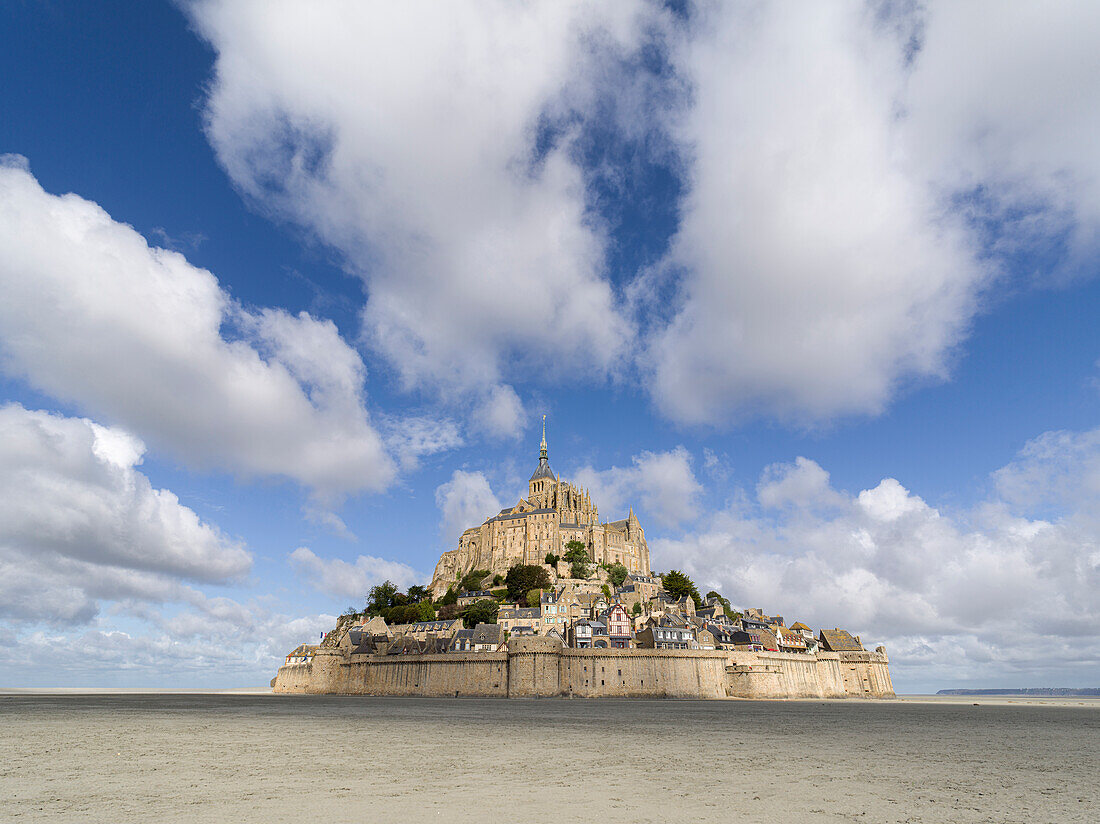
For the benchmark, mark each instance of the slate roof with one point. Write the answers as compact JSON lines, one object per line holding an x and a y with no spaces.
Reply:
{"x":542,"y":470}
{"x":839,"y":640}
{"x":487,"y":634}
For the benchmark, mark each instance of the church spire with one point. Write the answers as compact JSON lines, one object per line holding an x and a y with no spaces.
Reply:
{"x":542,"y":446}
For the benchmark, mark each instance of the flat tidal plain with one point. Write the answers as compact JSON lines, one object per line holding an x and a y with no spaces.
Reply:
{"x":357,"y":760}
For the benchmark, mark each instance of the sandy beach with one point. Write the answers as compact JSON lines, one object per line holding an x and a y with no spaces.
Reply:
{"x":261,"y":758}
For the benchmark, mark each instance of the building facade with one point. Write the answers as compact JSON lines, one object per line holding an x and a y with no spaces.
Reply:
{"x":553,"y":513}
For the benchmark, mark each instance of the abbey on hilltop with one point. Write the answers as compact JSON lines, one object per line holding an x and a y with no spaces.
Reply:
{"x":554,"y":513}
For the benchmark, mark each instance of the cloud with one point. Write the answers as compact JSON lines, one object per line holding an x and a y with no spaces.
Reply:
{"x":433,"y":146}
{"x":352,"y":580}
{"x":465,"y":501}
{"x":214,"y":643}
{"x":1003,"y":107}
{"x":663,"y":482}
{"x":816,"y":269}
{"x":803,"y":484}
{"x":135,"y":335}
{"x":79,"y":524}
{"x":1002,"y":596}
{"x":413,"y":437}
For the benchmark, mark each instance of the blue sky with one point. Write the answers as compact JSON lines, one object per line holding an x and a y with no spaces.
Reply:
{"x":814,"y":293}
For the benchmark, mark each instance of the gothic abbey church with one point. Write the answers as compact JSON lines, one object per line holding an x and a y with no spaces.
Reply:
{"x":553,"y":513}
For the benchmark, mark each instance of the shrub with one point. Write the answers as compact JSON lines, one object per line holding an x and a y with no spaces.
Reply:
{"x":552,"y":559}
{"x":636,"y":609}
{"x":498,"y":579}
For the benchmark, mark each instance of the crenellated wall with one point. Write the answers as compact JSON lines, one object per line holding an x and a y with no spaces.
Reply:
{"x":539,"y":667}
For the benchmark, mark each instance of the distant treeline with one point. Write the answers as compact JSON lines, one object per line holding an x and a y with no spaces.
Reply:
{"x":1056,"y":691}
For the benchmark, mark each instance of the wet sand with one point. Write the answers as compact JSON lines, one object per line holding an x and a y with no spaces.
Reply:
{"x":260,"y":758}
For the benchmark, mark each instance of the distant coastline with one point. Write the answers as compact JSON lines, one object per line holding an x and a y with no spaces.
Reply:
{"x":1056,"y":692}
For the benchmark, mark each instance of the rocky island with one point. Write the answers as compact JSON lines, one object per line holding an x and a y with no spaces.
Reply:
{"x":545,"y":599}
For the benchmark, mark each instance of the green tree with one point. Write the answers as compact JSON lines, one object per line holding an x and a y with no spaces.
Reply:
{"x":617,"y":573}
{"x":552,"y":559}
{"x":575,"y":551}
{"x":481,"y":612}
{"x":471,"y":581}
{"x":449,"y":597}
{"x":498,"y":579}
{"x":418,"y":593}
{"x":636,"y":609}
{"x":522,"y":578}
{"x":606,"y":592}
{"x":534,"y":597}
{"x":381,"y":597}
{"x":677,"y":584}
{"x":577,"y":557}
{"x":427,"y":610}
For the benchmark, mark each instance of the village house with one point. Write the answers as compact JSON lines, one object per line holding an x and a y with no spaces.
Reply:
{"x":511,"y":616}
{"x":469,"y":598}
{"x":666,"y":632}
{"x":482,"y":638}
{"x":422,"y":629}
{"x":619,"y":626}
{"x":839,"y":640}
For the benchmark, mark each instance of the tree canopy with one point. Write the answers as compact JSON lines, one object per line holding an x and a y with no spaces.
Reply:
{"x":677,"y":584}
{"x":617,"y":573}
{"x":524,"y":577}
{"x":576,"y":555}
{"x":381,"y":597}
{"x":471,"y":581}
{"x":483,"y":611}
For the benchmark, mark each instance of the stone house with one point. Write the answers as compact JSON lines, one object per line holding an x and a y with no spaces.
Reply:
{"x":666,"y":632}
{"x":754,"y":640}
{"x":422,"y":629}
{"x":839,"y":640}
{"x":510,"y":616}
{"x":468,"y":598}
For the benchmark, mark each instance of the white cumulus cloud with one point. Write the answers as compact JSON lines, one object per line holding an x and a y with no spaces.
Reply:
{"x":137,"y":336}
{"x":79,"y":524}
{"x":464,"y":501}
{"x":416,"y":139}
{"x":982,"y":591}
{"x":344,"y":579}
{"x":663,"y":483}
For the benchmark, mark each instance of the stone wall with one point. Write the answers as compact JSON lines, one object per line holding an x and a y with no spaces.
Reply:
{"x":539,"y":667}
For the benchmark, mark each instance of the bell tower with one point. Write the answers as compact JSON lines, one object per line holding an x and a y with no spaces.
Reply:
{"x":542,"y":483}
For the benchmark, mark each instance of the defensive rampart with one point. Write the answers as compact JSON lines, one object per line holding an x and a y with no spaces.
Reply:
{"x":540,"y":667}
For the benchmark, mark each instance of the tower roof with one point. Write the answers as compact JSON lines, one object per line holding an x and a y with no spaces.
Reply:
{"x":543,"y":469}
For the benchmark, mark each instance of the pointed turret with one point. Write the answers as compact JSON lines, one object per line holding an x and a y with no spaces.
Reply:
{"x":543,"y":469}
